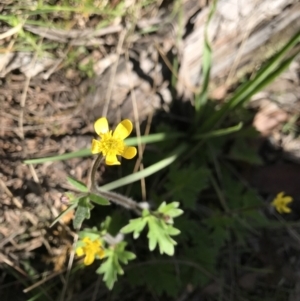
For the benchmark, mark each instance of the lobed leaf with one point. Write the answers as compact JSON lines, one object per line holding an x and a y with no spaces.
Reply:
{"x":111,"y":268}
{"x":136,"y":226}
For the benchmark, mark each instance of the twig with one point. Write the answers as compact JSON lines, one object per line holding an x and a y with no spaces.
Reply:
{"x":28,"y":289}
{"x":4,"y":259}
{"x":70,"y":263}
{"x":22,"y":105}
{"x":8,"y":192}
{"x":141,"y":148}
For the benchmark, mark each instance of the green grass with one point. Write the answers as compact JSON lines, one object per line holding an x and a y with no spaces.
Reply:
{"x":195,"y":166}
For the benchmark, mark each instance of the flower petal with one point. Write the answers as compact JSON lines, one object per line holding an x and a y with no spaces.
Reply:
{"x":79,"y":251}
{"x":89,"y":258}
{"x":280,"y":195}
{"x":111,"y":159}
{"x":87,"y":240}
{"x":286,"y":209}
{"x":101,"y":126}
{"x":123,"y":129}
{"x":129,"y":152}
{"x":288,"y":199}
{"x":101,"y":254}
{"x":96,"y":147}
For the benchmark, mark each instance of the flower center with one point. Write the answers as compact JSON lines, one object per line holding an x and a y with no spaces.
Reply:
{"x":111,"y":145}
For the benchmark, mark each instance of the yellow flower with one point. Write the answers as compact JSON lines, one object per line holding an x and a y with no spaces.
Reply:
{"x":91,"y":249}
{"x":281,"y":202}
{"x":112,"y":144}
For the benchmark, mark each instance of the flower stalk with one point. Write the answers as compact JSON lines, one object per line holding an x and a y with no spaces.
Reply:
{"x":114,"y":197}
{"x":111,"y":145}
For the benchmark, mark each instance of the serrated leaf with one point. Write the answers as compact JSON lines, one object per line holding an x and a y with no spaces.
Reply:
{"x":62,"y":214}
{"x":243,"y":152}
{"x":158,"y":278}
{"x":82,"y":212}
{"x":186,"y":184}
{"x":126,"y":256}
{"x":111,"y":267}
{"x":98,"y":200}
{"x":158,"y":235}
{"x":136,"y":226}
{"x":109,"y":272}
{"x":170,"y":209}
{"x":173,"y":231}
{"x":77,"y":184}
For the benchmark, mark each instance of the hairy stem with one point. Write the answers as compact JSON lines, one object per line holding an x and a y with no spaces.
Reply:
{"x":109,"y":195}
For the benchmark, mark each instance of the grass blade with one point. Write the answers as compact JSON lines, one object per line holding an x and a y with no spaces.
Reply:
{"x":220,"y":132}
{"x":153,"y":138}
{"x":147,"y":171}
{"x":201,"y":98}
{"x":62,"y":214}
{"x":247,"y":90}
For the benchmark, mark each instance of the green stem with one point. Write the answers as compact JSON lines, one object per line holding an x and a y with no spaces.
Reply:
{"x":114,"y":197}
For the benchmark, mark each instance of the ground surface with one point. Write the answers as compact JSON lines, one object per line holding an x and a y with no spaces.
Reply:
{"x":52,"y":112}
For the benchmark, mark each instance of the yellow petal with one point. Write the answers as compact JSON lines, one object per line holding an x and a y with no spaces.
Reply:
{"x":79,"y":251}
{"x":96,"y":147}
{"x":101,"y":254}
{"x":286,"y":210}
{"x":111,"y":159}
{"x":101,"y":126}
{"x":89,"y":258}
{"x":129,"y":152}
{"x":87,"y":240}
{"x":288,"y":199}
{"x":280,"y":195}
{"x":123,"y":129}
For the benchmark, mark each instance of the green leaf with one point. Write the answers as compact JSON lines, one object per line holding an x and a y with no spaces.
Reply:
{"x":99,"y":200}
{"x":147,"y":171}
{"x":263,"y":77}
{"x":243,"y":152}
{"x":110,"y":271}
{"x":186,"y":184}
{"x":124,"y":256}
{"x":136,"y":226}
{"x":170,"y":209}
{"x":82,"y":212}
{"x":220,"y":229}
{"x":158,"y":277}
{"x":77,"y":184}
{"x":159,"y":236}
{"x":111,"y":268}
{"x":93,"y":234}
{"x":62,"y":214}
{"x":219,"y":132}
{"x":77,"y":154}
{"x":160,"y":231}
{"x":173,"y":231}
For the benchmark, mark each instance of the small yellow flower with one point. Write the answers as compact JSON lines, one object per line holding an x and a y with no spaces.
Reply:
{"x":91,"y":249}
{"x":281,"y":202}
{"x":112,"y":144}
